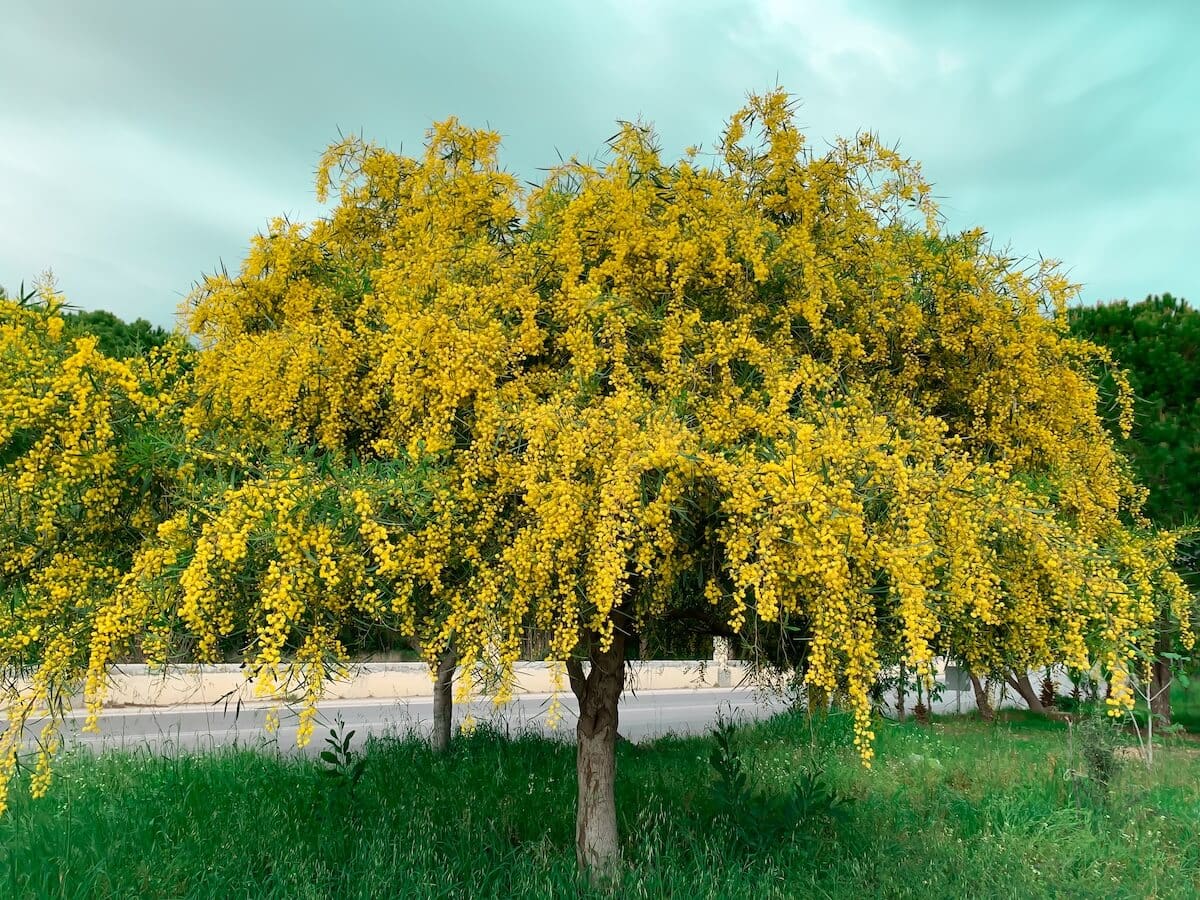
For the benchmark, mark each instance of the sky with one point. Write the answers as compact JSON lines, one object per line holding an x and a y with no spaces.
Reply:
{"x":142,"y":143}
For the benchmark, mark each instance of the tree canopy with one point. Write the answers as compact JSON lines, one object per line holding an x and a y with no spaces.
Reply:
{"x":1158,"y":341}
{"x":760,"y":376}
{"x":116,"y":338}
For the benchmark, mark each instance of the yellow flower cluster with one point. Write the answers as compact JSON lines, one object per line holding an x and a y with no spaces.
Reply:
{"x":71,"y":507}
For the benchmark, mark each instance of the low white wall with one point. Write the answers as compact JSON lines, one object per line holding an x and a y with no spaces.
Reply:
{"x":138,"y":685}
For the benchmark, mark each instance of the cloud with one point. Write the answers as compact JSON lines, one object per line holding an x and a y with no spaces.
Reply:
{"x":145,"y":142}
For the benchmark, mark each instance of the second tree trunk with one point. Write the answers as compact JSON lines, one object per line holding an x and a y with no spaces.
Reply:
{"x":982,"y":702}
{"x":443,"y":701}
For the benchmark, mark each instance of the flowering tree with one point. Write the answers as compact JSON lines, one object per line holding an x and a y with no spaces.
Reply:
{"x":83,"y":477}
{"x":761,"y":380}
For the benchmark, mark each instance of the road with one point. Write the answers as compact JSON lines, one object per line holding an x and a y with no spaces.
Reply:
{"x":643,"y":715}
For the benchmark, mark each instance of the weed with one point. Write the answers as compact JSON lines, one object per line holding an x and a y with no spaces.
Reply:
{"x":758,"y":818}
{"x":1093,"y":760}
{"x":342,"y":763}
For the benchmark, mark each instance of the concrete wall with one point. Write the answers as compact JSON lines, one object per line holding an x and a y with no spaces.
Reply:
{"x":137,"y":685}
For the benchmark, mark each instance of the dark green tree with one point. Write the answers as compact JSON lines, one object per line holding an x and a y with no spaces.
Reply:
{"x":118,"y":339}
{"x":1158,"y":341}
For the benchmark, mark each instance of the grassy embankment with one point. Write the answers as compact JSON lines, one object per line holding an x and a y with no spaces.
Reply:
{"x":957,"y":809}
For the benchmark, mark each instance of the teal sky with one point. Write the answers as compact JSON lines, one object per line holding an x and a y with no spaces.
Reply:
{"x":142,"y":143}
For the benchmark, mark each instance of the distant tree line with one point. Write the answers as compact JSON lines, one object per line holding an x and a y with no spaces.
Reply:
{"x":1158,"y":341}
{"x":117,"y":338}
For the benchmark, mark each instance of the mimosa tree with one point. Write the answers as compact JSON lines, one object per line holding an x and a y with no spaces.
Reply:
{"x":763,"y":378}
{"x":84,"y":475}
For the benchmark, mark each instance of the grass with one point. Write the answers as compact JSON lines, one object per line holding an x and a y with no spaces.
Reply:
{"x":954,"y":810}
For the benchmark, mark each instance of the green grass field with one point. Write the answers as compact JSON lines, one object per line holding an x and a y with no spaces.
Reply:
{"x":956,"y":809}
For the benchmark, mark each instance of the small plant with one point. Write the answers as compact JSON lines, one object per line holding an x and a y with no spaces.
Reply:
{"x":732,"y":785}
{"x":921,"y":713}
{"x":1081,"y":691}
{"x":1149,"y":691}
{"x":893,"y":682}
{"x":1048,"y":695}
{"x":759,"y":819}
{"x":928,"y":691}
{"x":1094,"y":762}
{"x":342,"y":763}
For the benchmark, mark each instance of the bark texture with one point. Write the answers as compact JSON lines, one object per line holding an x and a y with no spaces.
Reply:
{"x":1160,"y":692}
{"x":579,"y":684}
{"x":443,"y":701}
{"x":576,"y":677}
{"x":1160,"y":680}
{"x":982,"y":701}
{"x":597,"y":845}
{"x":1022,"y":685}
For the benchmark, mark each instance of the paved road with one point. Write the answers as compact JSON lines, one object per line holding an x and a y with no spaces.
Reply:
{"x":642,"y":715}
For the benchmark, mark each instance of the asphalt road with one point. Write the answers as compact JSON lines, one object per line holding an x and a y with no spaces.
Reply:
{"x":643,"y":715}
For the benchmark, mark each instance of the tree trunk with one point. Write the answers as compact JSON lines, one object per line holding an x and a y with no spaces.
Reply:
{"x":900,"y":692}
{"x":579,"y":685}
{"x":1021,"y":684}
{"x":578,"y":681}
{"x":982,"y":702}
{"x":596,"y":840}
{"x":443,"y":701}
{"x":1160,"y":679}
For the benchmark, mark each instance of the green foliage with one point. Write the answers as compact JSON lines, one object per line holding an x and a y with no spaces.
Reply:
{"x":23,"y":296}
{"x":341,"y":817}
{"x":1185,"y":703}
{"x":760,"y":819}
{"x":118,"y":339}
{"x":1093,"y":764}
{"x":959,"y":810}
{"x":1158,"y":341}
{"x":342,"y":763}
